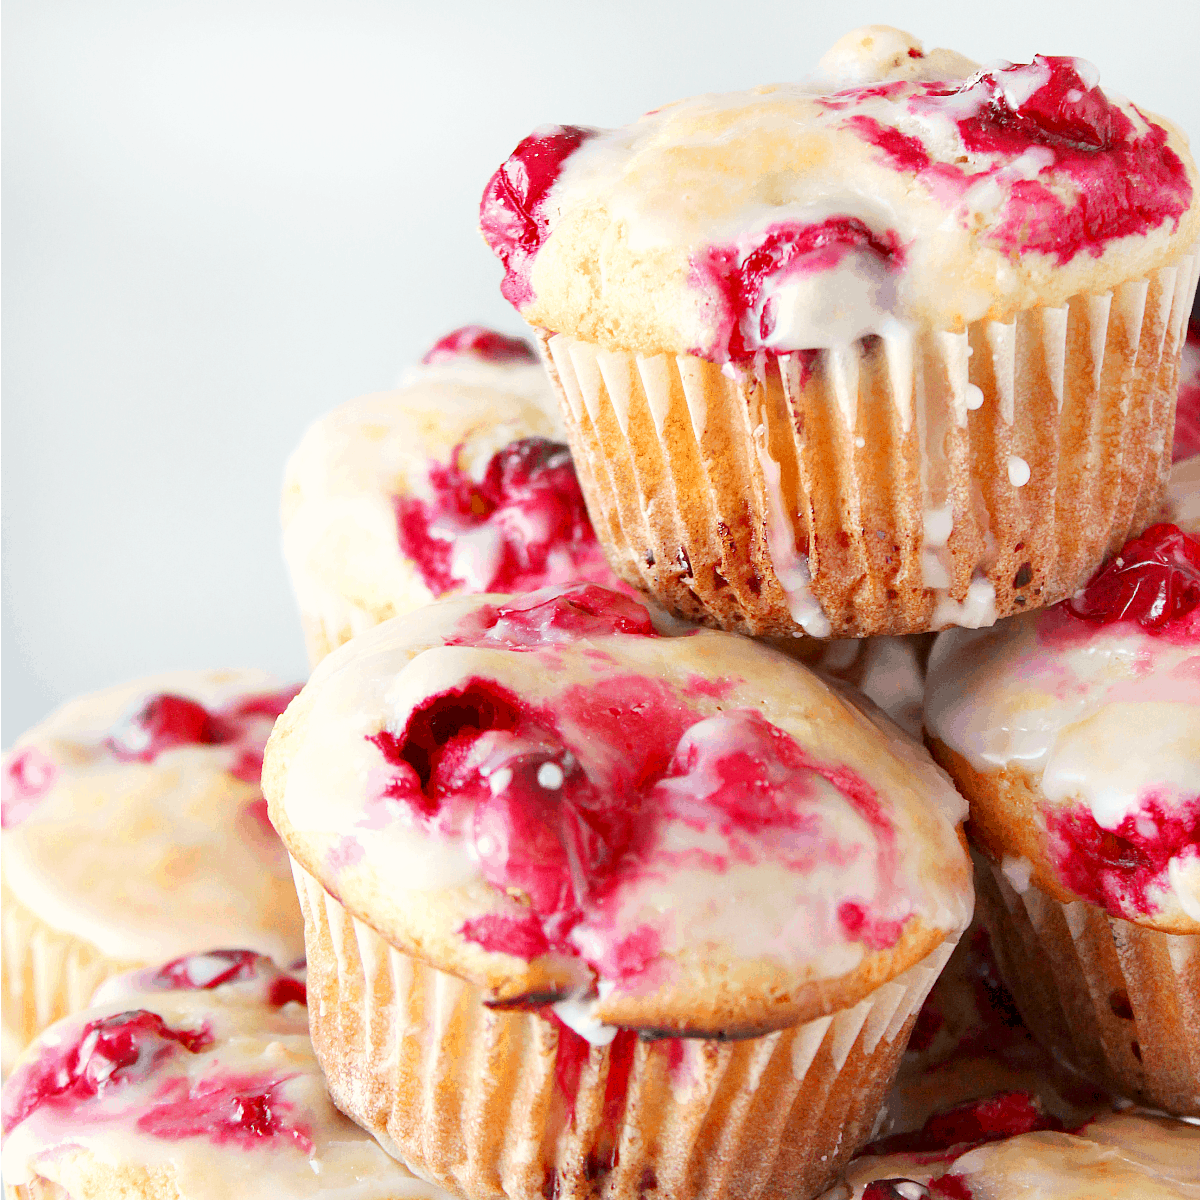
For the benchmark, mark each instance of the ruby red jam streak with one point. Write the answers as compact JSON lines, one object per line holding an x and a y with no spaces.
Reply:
{"x":166,"y":722}
{"x":478,"y":341}
{"x":1004,"y":1115}
{"x":523,"y":526}
{"x":1154,"y":581}
{"x":1117,"y":868}
{"x":228,"y":1109}
{"x":203,"y":972}
{"x":554,"y":616}
{"x":511,"y":213}
{"x":743,"y":279}
{"x":109,"y":1052}
{"x":480,"y":763}
{"x":1125,"y":183}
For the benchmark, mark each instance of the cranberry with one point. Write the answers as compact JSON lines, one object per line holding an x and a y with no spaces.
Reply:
{"x":28,"y":776}
{"x":522,"y":937}
{"x":1065,"y":110}
{"x":552,"y":616}
{"x":286,"y":990}
{"x":163,"y":723}
{"x":480,"y":342}
{"x":108,"y":1052}
{"x":203,"y":971}
{"x":991,"y":1119}
{"x":261,"y":704}
{"x":1154,"y":580}
{"x":744,"y":279}
{"x":529,"y":511}
{"x":511,"y":212}
{"x":1116,"y":868}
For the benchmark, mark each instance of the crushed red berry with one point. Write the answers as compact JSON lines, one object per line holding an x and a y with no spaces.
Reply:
{"x":511,"y":212}
{"x":1154,"y":581}
{"x":479,"y":342}
{"x":286,"y":990}
{"x":163,"y":723}
{"x":1117,"y":868}
{"x":991,"y":1119}
{"x":903,"y":151}
{"x":479,"y":763}
{"x":554,"y":616}
{"x":244,"y":1110}
{"x":523,"y":526}
{"x":28,"y":776}
{"x":108,"y":1052}
{"x":744,"y":279}
{"x":203,"y":971}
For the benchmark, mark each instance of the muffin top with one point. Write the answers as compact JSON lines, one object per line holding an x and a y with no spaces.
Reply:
{"x":458,"y":482}
{"x":544,"y":796}
{"x":196,"y":1080}
{"x":1091,"y":709}
{"x":897,"y":186}
{"x":133,"y":819}
{"x":1113,"y":1157}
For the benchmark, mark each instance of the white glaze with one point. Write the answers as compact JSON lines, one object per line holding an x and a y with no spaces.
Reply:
{"x":1104,"y":718}
{"x":250,"y":1038}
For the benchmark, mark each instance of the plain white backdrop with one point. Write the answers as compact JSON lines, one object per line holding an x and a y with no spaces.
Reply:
{"x":223,"y":219}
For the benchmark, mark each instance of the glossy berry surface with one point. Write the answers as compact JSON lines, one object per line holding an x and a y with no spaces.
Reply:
{"x":478,"y":341}
{"x":162,"y":723}
{"x":1154,"y":581}
{"x":511,"y":213}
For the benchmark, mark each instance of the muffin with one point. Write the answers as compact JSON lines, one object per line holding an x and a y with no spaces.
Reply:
{"x":134,"y":831}
{"x":1117,"y":1156}
{"x":1075,"y":735}
{"x":191,"y":1081}
{"x":885,"y":352}
{"x":1187,"y":410}
{"x":593,"y":910}
{"x":460,"y":481}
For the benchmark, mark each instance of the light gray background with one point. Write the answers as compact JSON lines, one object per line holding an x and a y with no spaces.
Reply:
{"x":223,"y":219}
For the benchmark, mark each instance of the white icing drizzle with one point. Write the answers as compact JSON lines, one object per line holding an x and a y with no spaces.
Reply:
{"x":252,"y":1039}
{"x":145,"y":860}
{"x":1104,"y":717}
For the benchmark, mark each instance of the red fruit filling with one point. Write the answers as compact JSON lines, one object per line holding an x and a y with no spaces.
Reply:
{"x":203,"y":971}
{"x":1116,"y":868}
{"x":1124,"y":184}
{"x":552,"y":617}
{"x":480,"y":763}
{"x":904,"y":152}
{"x":523,"y":526}
{"x":480,"y":342}
{"x":166,"y":721}
{"x":744,"y":279}
{"x":1154,"y":580}
{"x":286,"y":990}
{"x":511,"y":213}
{"x":28,"y":776}
{"x":1004,"y":1115}
{"x":572,"y":1056}
{"x":109,"y":1052}
{"x":243,"y":1110}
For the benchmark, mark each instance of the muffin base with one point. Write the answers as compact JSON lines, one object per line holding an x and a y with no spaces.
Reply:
{"x":1119,"y":1002}
{"x":473,"y":1098}
{"x":46,"y":975}
{"x":895,"y":485}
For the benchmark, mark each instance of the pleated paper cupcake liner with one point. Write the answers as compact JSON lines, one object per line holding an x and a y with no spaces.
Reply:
{"x":47,"y":975}
{"x":496,"y":1103}
{"x":1118,"y":1002}
{"x":901,"y":483}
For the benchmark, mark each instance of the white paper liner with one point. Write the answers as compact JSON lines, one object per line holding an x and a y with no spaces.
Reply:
{"x":1119,"y":1002}
{"x":47,"y":975}
{"x":896,"y":484}
{"x":468,"y":1098}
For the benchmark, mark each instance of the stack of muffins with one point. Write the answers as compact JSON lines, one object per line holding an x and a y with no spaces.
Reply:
{"x":621,"y":868}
